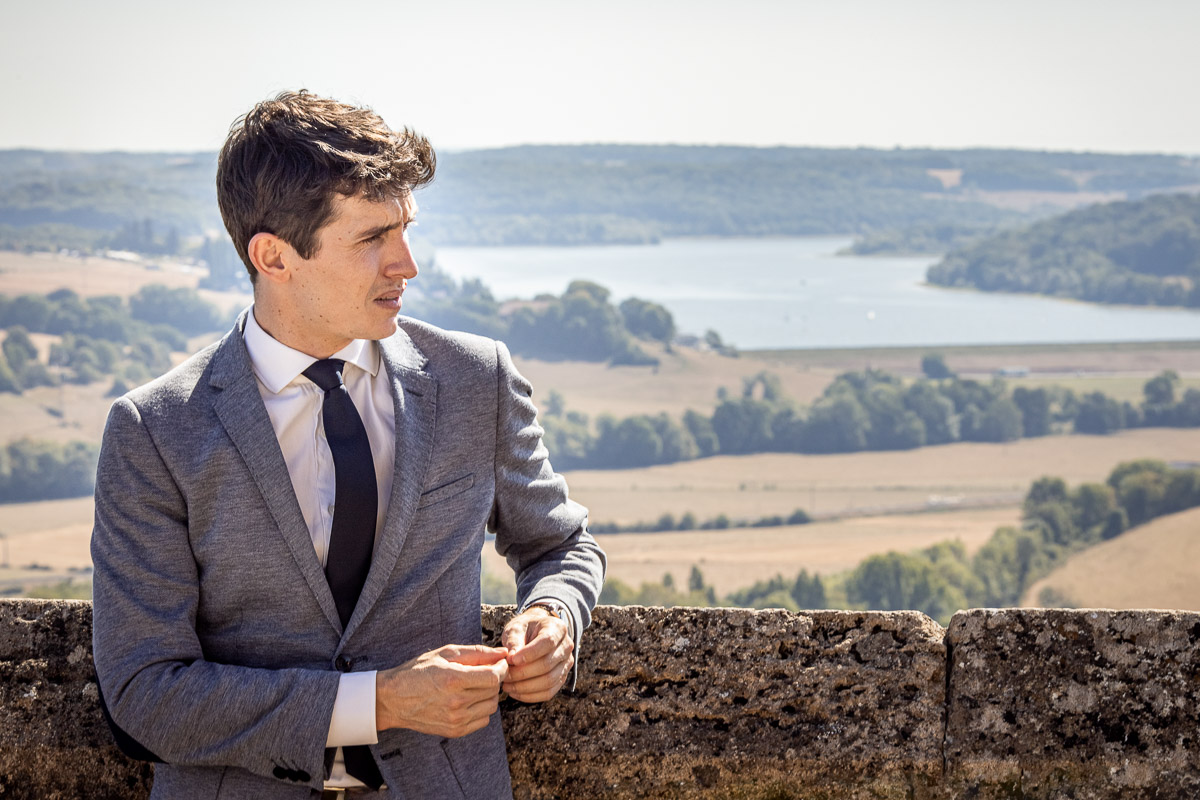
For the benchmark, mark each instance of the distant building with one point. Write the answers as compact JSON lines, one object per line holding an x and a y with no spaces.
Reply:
{"x":1012,"y":372}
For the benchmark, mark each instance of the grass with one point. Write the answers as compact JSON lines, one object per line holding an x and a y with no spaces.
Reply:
{"x":736,"y":558}
{"x":1156,"y":565}
{"x":750,"y":487}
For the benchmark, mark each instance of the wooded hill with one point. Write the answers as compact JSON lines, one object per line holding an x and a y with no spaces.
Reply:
{"x":582,"y":194}
{"x":1144,"y":253}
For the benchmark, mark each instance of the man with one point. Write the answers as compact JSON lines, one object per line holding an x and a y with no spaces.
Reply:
{"x":289,"y":524}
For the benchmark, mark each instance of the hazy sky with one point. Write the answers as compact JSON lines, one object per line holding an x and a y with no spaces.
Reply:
{"x":1061,"y":74}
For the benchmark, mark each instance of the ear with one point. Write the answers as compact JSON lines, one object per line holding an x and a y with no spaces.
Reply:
{"x":266,"y":251}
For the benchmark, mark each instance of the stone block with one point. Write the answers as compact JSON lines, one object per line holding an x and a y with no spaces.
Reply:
{"x":1085,"y":704}
{"x":54,"y":744}
{"x":733,"y":703}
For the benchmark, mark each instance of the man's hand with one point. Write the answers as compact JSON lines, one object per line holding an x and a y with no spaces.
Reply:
{"x":540,"y":655}
{"x":450,"y":691}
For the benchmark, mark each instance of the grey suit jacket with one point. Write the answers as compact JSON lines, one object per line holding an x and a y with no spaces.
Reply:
{"x":217,"y":643}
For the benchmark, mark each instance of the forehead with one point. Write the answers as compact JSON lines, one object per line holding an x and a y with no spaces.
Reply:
{"x":353,"y":212}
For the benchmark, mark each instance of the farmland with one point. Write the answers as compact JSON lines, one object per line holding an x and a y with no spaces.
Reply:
{"x":1152,"y":566}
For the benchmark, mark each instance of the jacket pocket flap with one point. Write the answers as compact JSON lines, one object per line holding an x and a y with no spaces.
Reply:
{"x":446,"y":491}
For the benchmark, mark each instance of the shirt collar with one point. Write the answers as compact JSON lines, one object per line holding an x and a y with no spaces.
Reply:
{"x":277,"y":365}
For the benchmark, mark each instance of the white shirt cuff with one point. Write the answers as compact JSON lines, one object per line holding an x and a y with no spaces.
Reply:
{"x":353,"y":720}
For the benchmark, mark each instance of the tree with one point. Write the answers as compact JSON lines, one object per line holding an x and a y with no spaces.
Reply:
{"x":1035,"y":410}
{"x":808,"y":591}
{"x":743,"y":426}
{"x":935,"y":411}
{"x":702,"y":432}
{"x":181,"y":308}
{"x":1046,"y":489}
{"x":1099,"y":414}
{"x":1141,"y":495}
{"x":1000,"y":421}
{"x":695,"y":580}
{"x":1159,"y":392}
{"x":1091,"y":504}
{"x":18,"y":348}
{"x":836,"y":425}
{"x":648,"y":320}
{"x":934,"y":367}
{"x":8,"y":379}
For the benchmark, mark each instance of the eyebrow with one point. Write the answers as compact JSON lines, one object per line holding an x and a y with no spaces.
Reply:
{"x":378,"y":230}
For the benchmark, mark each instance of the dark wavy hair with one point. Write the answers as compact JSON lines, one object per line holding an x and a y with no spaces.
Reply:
{"x":284,"y":161}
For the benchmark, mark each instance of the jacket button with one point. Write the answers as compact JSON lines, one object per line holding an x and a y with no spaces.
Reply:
{"x":281,"y":773}
{"x":342,"y":663}
{"x":301,"y":775}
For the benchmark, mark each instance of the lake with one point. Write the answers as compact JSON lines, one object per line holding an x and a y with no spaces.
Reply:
{"x":796,"y":293}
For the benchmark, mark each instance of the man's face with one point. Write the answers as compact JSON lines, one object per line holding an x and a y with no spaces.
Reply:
{"x":351,"y":287}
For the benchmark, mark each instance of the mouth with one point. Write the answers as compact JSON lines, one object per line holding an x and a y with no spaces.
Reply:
{"x":390,"y":300}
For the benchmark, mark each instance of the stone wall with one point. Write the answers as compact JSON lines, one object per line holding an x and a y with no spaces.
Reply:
{"x":726,"y":703}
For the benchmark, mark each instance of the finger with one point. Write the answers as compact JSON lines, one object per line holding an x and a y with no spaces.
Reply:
{"x":542,"y":673}
{"x":541,"y":688}
{"x":457,"y":678}
{"x":545,"y":641}
{"x":515,"y":632}
{"x":473,"y":654}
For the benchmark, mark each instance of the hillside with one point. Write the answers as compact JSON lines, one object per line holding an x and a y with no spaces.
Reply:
{"x":1142,"y":253}
{"x":579,"y":194}
{"x":1156,"y":565}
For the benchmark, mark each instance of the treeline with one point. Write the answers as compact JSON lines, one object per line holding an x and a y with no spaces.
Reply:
{"x":581,"y":324}
{"x":862,"y":410}
{"x":1142,"y":253}
{"x":37,"y":470}
{"x":1057,"y":522}
{"x":921,"y":239}
{"x":804,"y":591}
{"x":131,"y":340}
{"x":688,"y":522}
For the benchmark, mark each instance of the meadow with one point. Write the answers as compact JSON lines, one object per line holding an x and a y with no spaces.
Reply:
{"x":1152,"y":566}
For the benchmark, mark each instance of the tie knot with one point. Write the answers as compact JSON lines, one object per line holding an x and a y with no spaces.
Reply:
{"x":326,"y":373}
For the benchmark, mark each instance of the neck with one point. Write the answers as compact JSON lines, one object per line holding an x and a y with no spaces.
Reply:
{"x":282,"y":329}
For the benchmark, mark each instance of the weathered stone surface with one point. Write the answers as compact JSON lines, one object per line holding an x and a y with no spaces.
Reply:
{"x":53,"y":740}
{"x":692,"y":703}
{"x":1073,"y":704}
{"x":725,"y":703}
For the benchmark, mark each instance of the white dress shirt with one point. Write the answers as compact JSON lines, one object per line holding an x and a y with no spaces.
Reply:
{"x":294,"y":404}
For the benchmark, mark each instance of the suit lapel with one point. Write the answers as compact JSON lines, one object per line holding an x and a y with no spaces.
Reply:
{"x":414,"y":400}
{"x":240,"y":408}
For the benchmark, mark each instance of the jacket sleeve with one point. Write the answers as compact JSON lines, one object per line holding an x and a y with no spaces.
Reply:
{"x":160,"y":690}
{"x":540,"y":531}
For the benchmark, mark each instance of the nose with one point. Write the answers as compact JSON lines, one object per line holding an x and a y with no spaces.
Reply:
{"x":400,"y":260}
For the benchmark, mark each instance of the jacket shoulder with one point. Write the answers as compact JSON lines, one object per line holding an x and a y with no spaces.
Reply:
{"x":450,"y":349}
{"x":176,"y":386}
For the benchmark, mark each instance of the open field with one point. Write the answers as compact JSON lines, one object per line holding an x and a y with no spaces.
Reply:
{"x":88,"y":276}
{"x":91,"y":276}
{"x":778,"y":483}
{"x":736,"y":558}
{"x":686,"y":379}
{"x":1103,"y":358}
{"x":689,"y":379}
{"x":1156,"y":565}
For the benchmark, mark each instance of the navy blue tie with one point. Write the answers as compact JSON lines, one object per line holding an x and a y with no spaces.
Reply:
{"x":356,"y":498}
{"x":355,"y":502}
